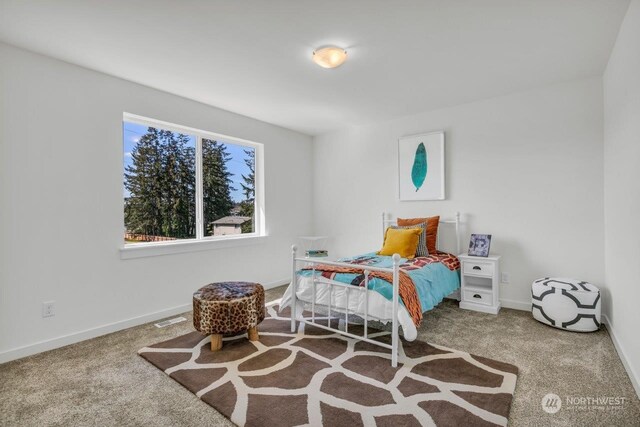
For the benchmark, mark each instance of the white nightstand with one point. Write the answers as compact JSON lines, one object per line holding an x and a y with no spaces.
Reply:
{"x":480,"y":283}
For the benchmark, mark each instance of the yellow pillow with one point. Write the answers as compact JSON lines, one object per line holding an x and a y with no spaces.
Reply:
{"x":403,"y":242}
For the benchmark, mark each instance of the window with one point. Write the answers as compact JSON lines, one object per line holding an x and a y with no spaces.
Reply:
{"x":186,"y":184}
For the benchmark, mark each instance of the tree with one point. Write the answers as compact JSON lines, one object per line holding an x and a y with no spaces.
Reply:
{"x":247,"y":206}
{"x":216,"y":182}
{"x":143,"y":182}
{"x":161,"y":184}
{"x":178,"y":185}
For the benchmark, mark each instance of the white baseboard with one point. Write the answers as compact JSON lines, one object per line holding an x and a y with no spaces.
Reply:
{"x":633,"y":376}
{"x":53,"y":343}
{"x":76,"y":337}
{"x":516,"y":305}
{"x":277,"y":283}
{"x":504,"y":303}
{"x":479,"y":307}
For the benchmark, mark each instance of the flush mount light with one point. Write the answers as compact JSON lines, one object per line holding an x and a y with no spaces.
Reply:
{"x":329,"y":57}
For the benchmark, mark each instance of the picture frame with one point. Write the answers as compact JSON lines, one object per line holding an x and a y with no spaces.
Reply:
{"x":421,"y":167}
{"x":480,"y":245}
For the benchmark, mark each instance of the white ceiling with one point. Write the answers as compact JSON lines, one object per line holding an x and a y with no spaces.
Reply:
{"x":254,"y":57}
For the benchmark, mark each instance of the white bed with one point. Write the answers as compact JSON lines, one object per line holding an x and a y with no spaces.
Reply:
{"x":345,"y":299}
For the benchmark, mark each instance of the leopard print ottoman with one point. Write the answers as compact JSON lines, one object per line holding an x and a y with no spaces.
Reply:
{"x":228,"y":308}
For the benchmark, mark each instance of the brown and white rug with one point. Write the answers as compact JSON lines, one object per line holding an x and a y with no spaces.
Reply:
{"x":315,"y":377}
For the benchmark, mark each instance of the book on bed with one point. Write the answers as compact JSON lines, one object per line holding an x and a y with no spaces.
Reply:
{"x":316,"y":253}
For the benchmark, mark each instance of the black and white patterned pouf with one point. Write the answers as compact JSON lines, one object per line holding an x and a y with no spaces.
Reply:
{"x":566,"y":304}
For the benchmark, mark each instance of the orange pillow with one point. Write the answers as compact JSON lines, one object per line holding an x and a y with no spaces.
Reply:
{"x":432,"y":229}
{"x":401,"y":241}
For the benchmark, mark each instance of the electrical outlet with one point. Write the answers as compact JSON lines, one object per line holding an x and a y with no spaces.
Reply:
{"x":48,"y":309}
{"x":506,"y":277}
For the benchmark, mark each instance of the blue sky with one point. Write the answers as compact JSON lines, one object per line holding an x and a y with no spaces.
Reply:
{"x":132,"y":133}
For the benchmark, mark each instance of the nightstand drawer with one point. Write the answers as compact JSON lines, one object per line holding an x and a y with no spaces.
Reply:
{"x":478,"y":268}
{"x":478,"y":297}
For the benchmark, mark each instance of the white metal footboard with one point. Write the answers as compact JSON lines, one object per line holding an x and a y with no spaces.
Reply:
{"x":315,"y":280}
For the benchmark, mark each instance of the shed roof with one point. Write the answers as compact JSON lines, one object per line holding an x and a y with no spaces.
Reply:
{"x":232,"y":220}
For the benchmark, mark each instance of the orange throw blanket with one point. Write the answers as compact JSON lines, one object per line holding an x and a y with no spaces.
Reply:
{"x":407,"y":289}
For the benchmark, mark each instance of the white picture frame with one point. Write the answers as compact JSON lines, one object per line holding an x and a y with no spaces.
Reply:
{"x":421,"y":174}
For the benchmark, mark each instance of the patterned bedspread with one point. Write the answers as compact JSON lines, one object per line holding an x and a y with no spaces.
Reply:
{"x":434,"y":276}
{"x":450,"y":261}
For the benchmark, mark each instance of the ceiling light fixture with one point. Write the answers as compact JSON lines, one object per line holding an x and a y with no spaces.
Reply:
{"x":329,"y":57}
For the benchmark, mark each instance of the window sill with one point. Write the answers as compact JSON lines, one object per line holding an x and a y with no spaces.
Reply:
{"x":142,"y":250}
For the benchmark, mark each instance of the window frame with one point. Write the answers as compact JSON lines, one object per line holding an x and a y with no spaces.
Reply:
{"x":134,"y":250}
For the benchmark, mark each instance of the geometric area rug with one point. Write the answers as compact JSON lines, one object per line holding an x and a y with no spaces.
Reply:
{"x":316,"y":377}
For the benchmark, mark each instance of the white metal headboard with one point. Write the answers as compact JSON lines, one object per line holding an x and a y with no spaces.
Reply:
{"x":456,"y":222}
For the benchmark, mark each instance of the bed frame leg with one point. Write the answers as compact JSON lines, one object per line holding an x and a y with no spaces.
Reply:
{"x":294,"y":285}
{"x":396,"y":289}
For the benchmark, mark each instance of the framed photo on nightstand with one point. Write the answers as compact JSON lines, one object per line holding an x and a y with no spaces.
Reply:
{"x":479,"y":245}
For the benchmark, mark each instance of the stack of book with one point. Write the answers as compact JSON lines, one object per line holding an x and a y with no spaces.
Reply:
{"x":316,"y":253}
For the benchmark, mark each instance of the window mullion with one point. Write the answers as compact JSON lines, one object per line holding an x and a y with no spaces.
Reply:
{"x":199,"y":192}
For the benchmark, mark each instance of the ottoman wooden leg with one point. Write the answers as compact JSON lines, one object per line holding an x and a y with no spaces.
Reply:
{"x":216,"y":342}
{"x":253,"y":334}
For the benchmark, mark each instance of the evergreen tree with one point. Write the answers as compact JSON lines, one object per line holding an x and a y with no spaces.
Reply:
{"x":178,"y":185}
{"x":143,"y":182}
{"x":161,"y":183}
{"x":187,"y":207}
{"x":216,"y":182}
{"x":247,"y":206}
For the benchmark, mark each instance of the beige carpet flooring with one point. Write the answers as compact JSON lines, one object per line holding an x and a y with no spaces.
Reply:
{"x":103,"y":381}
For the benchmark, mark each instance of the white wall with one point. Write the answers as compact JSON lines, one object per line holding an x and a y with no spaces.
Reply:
{"x":526,"y":168}
{"x":61,"y":219}
{"x":622,"y":190}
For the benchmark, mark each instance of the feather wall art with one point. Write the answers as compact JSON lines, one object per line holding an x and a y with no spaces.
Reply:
{"x":421,"y":167}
